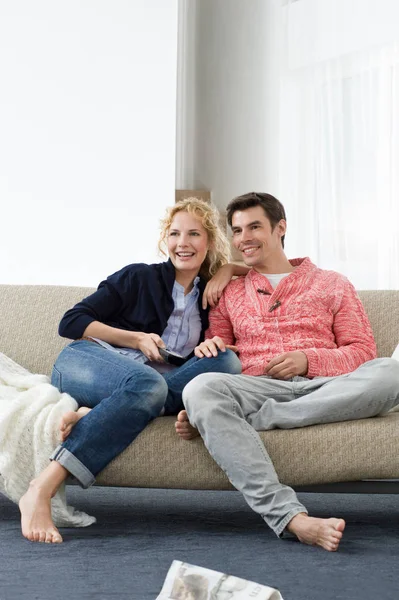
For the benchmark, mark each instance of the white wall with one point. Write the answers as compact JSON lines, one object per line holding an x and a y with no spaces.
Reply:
{"x":227,"y":123}
{"x":87,"y":136}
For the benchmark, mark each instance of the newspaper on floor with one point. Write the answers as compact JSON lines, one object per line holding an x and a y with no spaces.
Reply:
{"x":189,"y":582}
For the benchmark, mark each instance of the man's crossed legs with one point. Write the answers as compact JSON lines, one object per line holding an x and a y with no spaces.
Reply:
{"x":229,"y":410}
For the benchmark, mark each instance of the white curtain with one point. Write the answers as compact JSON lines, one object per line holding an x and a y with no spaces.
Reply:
{"x":339,"y":137}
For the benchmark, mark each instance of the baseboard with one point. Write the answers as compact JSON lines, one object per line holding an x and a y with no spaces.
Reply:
{"x":368,"y":486}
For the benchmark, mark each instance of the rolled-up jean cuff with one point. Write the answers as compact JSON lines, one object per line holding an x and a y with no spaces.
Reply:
{"x":74,"y":466}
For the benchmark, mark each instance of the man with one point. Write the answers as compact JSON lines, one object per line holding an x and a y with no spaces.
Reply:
{"x":308,"y":356}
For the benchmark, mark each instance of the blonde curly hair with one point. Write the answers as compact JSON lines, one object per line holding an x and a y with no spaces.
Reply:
{"x":219,"y":247}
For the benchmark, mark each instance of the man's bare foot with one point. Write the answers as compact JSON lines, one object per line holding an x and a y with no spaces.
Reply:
{"x":326,"y":533}
{"x":183,"y":427}
{"x":69,"y":419}
{"x":36,"y":522}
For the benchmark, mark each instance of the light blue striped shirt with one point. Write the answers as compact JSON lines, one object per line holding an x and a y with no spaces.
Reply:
{"x":183,"y":330}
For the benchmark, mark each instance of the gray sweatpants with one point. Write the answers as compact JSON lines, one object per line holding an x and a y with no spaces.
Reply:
{"x":228,"y":410}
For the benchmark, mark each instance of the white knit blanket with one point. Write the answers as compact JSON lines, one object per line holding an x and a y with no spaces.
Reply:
{"x":30,"y":414}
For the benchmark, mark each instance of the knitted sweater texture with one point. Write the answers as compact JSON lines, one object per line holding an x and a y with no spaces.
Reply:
{"x":311,"y":309}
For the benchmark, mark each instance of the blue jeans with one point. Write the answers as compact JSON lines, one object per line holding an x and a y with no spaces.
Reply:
{"x":125,"y":396}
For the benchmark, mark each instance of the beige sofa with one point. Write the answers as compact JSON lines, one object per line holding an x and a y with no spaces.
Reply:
{"x":329,"y":456}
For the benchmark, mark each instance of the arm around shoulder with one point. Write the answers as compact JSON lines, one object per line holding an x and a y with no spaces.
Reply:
{"x":215,"y":286}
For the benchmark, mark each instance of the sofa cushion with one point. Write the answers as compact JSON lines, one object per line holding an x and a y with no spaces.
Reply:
{"x":310,"y":455}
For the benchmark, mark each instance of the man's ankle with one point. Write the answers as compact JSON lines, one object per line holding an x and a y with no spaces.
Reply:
{"x":296,"y":521}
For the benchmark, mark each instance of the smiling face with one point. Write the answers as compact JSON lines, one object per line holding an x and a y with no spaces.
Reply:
{"x":187,"y":244}
{"x":253,"y":236}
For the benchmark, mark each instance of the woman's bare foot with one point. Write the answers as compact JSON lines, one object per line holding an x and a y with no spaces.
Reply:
{"x":69,"y":420}
{"x":36,"y":522}
{"x":326,"y":533}
{"x":183,"y":427}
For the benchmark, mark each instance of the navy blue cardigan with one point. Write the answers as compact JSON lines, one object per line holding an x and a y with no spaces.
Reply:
{"x":136,"y":298}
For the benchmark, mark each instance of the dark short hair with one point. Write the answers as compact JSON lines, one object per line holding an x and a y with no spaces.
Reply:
{"x":272,"y":207}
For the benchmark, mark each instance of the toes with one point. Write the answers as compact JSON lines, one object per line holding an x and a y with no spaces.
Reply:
{"x":182,"y":426}
{"x":182,"y":416}
{"x":42,"y":536}
{"x":185,"y":435}
{"x":57,"y":539}
{"x":184,"y":432}
{"x":63,"y":423}
{"x":52,"y":536}
{"x":340,"y":526}
{"x":49,"y":537}
{"x":332,"y":547}
{"x":35,"y":536}
{"x":65,"y":433}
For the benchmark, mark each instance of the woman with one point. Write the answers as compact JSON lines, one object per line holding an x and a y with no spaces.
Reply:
{"x":115,"y":367}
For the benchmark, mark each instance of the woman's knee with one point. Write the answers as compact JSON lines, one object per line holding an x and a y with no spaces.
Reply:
{"x":69,"y":373}
{"x":151,"y":389}
{"x":79,"y":374}
{"x":230,"y":362}
{"x":158,"y":396}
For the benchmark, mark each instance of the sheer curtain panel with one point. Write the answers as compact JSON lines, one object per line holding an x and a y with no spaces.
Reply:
{"x":339,"y":136}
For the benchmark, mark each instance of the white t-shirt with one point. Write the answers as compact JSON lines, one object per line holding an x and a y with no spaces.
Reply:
{"x":275,"y":278}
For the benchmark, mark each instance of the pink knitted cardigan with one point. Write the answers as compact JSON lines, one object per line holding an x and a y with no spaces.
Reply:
{"x":312,"y":310}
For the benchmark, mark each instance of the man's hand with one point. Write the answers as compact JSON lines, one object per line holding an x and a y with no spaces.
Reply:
{"x":211,"y":347}
{"x":149,"y":343}
{"x":287,"y":365}
{"x":215,"y":286}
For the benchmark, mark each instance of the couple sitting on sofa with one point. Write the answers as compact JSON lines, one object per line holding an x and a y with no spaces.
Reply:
{"x":305,"y":345}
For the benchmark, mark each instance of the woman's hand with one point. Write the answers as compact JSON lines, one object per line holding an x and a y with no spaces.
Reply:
{"x":211,"y":347}
{"x":149,"y":343}
{"x":215,"y":286}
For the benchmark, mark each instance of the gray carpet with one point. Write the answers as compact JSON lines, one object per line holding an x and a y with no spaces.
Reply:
{"x":139,"y":532}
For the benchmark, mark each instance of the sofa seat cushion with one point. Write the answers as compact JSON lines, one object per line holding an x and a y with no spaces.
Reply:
{"x":311,"y":455}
